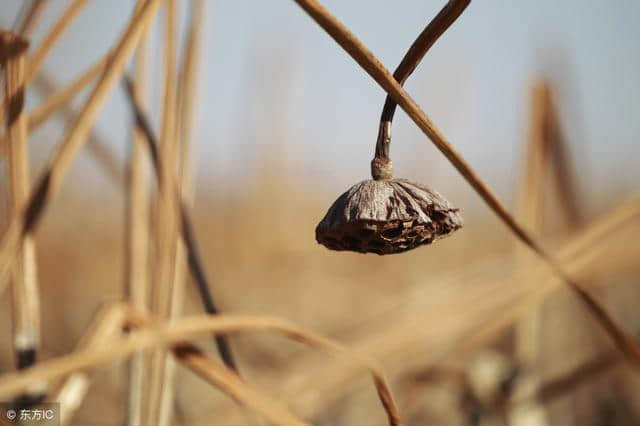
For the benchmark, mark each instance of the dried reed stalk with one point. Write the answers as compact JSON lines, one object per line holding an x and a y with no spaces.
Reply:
{"x":184,"y":185}
{"x":186,"y":229}
{"x":63,"y":96}
{"x":36,"y":60}
{"x":71,"y":392}
{"x":98,"y":148}
{"x":381,"y":75}
{"x":564,"y":176}
{"x":25,"y":21}
{"x":31,"y":17}
{"x":223,"y":378}
{"x":529,"y":210}
{"x":187,"y":328}
{"x":50,"y":181}
{"x":165,"y":226}
{"x":26,"y":295}
{"x":43,"y":111}
{"x":186,"y":101}
{"x":462,"y":317}
{"x":60,"y":98}
{"x":229,"y":382}
{"x":137,"y":259}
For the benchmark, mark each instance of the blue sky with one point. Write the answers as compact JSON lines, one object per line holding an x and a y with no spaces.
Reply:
{"x":271,"y":77}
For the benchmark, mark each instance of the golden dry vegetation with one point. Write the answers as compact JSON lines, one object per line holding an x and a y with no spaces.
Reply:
{"x":477,"y":329}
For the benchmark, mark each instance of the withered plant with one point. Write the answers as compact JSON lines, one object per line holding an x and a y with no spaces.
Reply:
{"x":383,"y":215}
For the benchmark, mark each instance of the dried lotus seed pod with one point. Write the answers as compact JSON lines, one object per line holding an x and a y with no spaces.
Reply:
{"x":385,"y":217}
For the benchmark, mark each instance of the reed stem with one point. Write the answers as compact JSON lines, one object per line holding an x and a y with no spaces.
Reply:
{"x":193,"y":256}
{"x":137,"y":259}
{"x":26,"y":295}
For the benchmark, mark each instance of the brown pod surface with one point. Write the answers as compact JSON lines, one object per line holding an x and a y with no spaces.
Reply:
{"x":385,"y":217}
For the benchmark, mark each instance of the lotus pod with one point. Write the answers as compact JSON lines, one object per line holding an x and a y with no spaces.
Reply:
{"x":386,"y":217}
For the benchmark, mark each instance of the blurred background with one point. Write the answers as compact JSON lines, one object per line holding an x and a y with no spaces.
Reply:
{"x":285,"y":122}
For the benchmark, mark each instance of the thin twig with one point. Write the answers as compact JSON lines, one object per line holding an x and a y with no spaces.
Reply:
{"x":382,"y":76}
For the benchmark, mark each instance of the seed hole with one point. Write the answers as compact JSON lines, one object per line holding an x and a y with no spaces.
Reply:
{"x":438,"y":216}
{"x":392,"y":232}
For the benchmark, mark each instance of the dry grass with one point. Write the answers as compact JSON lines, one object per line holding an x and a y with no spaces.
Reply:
{"x":422,"y":330}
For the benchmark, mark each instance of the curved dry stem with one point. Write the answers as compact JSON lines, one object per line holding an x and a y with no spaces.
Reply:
{"x":108,"y":324}
{"x":427,"y":38}
{"x":229,"y":382}
{"x":187,"y":328}
{"x":381,"y":75}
